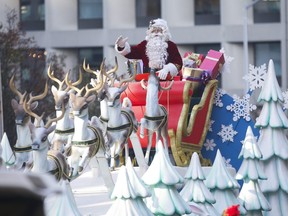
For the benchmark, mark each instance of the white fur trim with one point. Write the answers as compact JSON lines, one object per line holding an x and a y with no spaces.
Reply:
{"x":125,"y":51}
{"x":172,"y":69}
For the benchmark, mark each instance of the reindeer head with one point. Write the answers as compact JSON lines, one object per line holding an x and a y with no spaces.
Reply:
{"x":61,"y":94}
{"x":38,"y":130}
{"x":21,"y":117}
{"x":80,"y":103}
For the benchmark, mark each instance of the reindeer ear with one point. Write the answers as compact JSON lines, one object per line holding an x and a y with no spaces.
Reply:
{"x":123,"y":88}
{"x":14,"y":104}
{"x":53,"y":89}
{"x":34,"y":105}
{"x":91,"y":98}
{"x":32,"y":128}
{"x":72,"y":96}
{"x":51,"y":128}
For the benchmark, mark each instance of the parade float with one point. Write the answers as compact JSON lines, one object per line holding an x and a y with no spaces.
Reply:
{"x":182,"y":157}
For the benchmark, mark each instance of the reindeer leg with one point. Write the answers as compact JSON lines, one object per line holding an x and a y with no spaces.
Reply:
{"x":112,"y":157}
{"x":104,"y":170}
{"x":143,"y":124}
{"x":164,"y":135}
{"x":73,"y":160}
{"x":147,"y":154}
{"x":84,"y":160}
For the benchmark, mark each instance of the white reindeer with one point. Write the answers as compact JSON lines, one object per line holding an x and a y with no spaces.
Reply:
{"x":43,"y":159}
{"x":121,"y":121}
{"x":22,"y":147}
{"x":65,"y":126}
{"x":50,"y":161}
{"x":87,"y":140}
{"x":155,"y":118}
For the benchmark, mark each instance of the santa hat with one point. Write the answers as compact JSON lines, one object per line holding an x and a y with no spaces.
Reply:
{"x":160,"y":23}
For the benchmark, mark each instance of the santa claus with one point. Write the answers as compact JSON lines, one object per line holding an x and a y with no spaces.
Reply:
{"x":156,"y":51}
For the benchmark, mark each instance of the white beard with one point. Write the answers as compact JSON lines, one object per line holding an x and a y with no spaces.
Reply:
{"x":156,"y":51}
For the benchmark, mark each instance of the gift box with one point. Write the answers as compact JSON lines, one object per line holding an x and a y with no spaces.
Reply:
{"x":213,"y":63}
{"x":197,"y":58}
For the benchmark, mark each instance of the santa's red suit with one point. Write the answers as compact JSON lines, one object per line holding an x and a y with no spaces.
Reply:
{"x":139,"y":52}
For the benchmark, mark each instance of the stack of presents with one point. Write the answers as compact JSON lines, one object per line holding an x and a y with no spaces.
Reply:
{"x":200,"y":69}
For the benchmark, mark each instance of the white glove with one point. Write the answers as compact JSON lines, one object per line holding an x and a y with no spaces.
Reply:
{"x":162,"y":74}
{"x":120,"y":42}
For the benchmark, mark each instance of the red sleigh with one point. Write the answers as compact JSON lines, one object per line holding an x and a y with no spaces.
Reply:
{"x":189,"y":105}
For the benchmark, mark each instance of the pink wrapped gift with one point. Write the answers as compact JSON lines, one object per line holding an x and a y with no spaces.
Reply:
{"x":213,"y":63}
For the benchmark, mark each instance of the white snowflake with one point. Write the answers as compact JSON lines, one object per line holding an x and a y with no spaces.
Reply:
{"x":285,"y":96}
{"x":217,"y":98}
{"x":256,"y":76}
{"x":209,"y":144}
{"x":227,"y":162}
{"x":241,"y":107}
{"x":228,"y":60}
{"x":227,"y":133}
{"x":210,"y":125}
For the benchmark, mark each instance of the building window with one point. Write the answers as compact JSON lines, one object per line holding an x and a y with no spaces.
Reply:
{"x":266,"y":12}
{"x":207,"y":12}
{"x":93,"y":56}
{"x":147,"y":10}
{"x":32,"y":14}
{"x":90,"y":14}
{"x":266,"y":51}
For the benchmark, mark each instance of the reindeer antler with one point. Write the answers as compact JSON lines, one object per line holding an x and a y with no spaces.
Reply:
{"x":26,"y":105}
{"x":60,"y":83}
{"x":13,"y":89}
{"x":50,"y":121}
{"x":111,"y":73}
{"x":134,"y":73}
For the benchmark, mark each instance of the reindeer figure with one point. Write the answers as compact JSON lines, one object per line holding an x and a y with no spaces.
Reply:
{"x":87,"y":140}
{"x":65,"y":126}
{"x":155,"y":118}
{"x":44,"y":160}
{"x":121,"y":121}
{"x":22,"y":147}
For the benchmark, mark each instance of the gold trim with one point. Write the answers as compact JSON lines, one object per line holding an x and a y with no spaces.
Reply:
{"x":182,"y":151}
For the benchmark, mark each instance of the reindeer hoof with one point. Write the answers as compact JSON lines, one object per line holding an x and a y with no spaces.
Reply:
{"x":80,"y":169}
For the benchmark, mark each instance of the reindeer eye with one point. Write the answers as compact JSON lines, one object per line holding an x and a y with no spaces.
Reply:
{"x":44,"y":139}
{"x":118,"y":97}
{"x":85,"y":106}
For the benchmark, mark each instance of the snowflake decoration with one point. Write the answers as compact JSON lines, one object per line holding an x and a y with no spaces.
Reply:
{"x":227,"y":133}
{"x":209,"y":144}
{"x":210,"y":125}
{"x":227,"y":162}
{"x":256,"y":76}
{"x":285,"y":96}
{"x":241,"y":107}
{"x":217,"y":98}
{"x":228,"y":60}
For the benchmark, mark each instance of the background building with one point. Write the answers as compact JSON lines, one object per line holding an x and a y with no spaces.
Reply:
{"x":88,"y":29}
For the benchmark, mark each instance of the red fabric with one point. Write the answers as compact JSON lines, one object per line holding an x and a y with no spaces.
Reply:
{"x":172,"y":100}
{"x":139,"y":52}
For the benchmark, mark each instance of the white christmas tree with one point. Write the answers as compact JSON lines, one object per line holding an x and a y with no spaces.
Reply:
{"x":273,"y":144}
{"x":7,"y":154}
{"x":222,"y":185}
{"x":195,"y":190}
{"x":128,"y":193}
{"x":162,"y":178}
{"x":250,"y":172}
